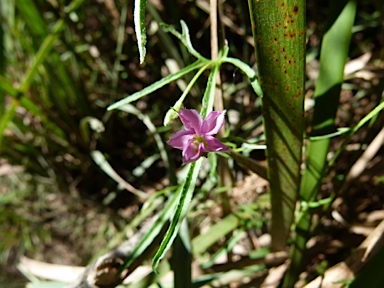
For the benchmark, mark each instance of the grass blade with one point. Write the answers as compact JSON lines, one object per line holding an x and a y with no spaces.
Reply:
{"x":352,"y":132}
{"x":184,"y":38}
{"x":44,"y":50}
{"x":202,"y":242}
{"x":334,"y":52}
{"x":155,"y":86}
{"x":32,"y":16}
{"x":279,"y":35}
{"x":209,"y":95}
{"x":180,"y":213}
{"x":149,"y":237}
{"x":47,"y":44}
{"x":6,"y":118}
{"x":139,"y":20}
{"x":7,"y":87}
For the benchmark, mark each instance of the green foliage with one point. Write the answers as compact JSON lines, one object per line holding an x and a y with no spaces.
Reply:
{"x":139,"y":16}
{"x":279,"y":35}
{"x":333,"y":56}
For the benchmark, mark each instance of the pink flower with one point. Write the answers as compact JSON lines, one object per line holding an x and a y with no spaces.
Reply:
{"x":198,"y":136}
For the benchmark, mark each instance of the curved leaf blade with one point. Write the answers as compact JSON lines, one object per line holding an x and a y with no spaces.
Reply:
{"x":140,"y":31}
{"x":184,"y":38}
{"x":157,"y":85}
{"x":180,"y":213}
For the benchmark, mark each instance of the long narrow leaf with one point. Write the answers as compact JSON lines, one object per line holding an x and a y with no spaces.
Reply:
{"x":47,"y":44}
{"x":7,"y":87}
{"x":158,"y":84}
{"x":139,"y":19}
{"x":334,"y":51}
{"x":202,"y":242}
{"x":149,"y":237}
{"x":32,"y":17}
{"x":361,"y":123}
{"x":44,"y":50}
{"x":209,"y":95}
{"x":184,"y":38}
{"x":6,"y":118}
{"x":279,"y":35}
{"x":180,"y":213}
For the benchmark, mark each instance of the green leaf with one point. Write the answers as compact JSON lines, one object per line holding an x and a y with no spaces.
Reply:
{"x":7,"y":87}
{"x":41,"y":54}
{"x":6,"y":118}
{"x":157,"y":85}
{"x":32,"y":17}
{"x":180,"y":213}
{"x":74,"y":5}
{"x":209,"y":94}
{"x":148,"y":239}
{"x":139,"y":19}
{"x":279,"y":34}
{"x":184,"y":38}
{"x":202,"y":242}
{"x":333,"y":56}
{"x":334,"y":53}
{"x":339,"y":132}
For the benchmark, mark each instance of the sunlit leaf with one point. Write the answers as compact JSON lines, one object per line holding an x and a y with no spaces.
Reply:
{"x":157,"y":85}
{"x":180,"y":213}
{"x":139,"y":20}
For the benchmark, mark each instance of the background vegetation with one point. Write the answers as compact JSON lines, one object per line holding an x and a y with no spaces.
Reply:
{"x":77,"y":179}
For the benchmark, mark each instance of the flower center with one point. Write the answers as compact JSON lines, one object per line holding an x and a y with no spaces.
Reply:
{"x":198,"y":140}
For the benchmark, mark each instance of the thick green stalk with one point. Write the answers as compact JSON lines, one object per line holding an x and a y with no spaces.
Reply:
{"x":279,"y":34}
{"x":334,"y":52}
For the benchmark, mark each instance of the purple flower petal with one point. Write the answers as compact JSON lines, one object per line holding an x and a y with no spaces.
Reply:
{"x":214,"y":145}
{"x":213,"y":123}
{"x":191,"y":152}
{"x":181,"y":139}
{"x":191,"y":120}
{"x":198,"y":136}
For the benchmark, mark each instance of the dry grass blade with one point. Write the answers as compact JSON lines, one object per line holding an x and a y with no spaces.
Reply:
{"x":63,"y":273}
